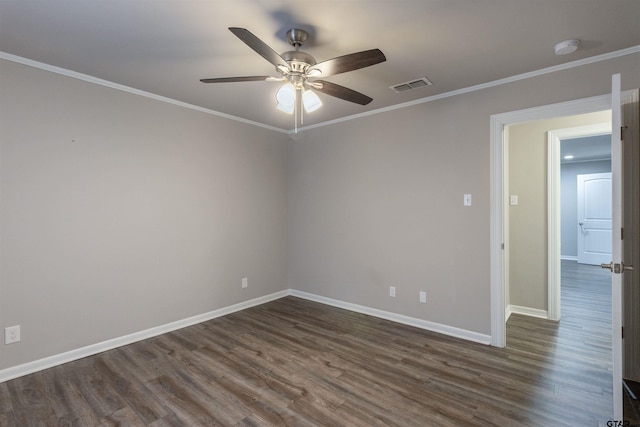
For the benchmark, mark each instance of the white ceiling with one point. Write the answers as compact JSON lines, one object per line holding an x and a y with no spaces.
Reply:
{"x":166,"y":46}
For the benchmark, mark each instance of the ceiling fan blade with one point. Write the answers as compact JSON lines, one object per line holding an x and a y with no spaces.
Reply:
{"x":259,"y":46}
{"x":342,"y":92}
{"x":237,"y":79}
{"x":350,"y":62}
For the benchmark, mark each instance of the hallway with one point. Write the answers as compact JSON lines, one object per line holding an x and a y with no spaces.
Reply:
{"x":574,"y":354}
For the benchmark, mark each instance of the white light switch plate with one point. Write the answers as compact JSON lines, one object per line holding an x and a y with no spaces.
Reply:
{"x":513,"y":200}
{"x":467,"y":199}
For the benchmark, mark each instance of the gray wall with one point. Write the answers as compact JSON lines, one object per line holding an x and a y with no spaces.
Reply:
{"x":120,"y":213}
{"x":378,"y":201}
{"x":569,"y":202}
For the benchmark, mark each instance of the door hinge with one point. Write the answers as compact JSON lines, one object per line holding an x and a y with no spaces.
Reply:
{"x":622,"y":128}
{"x":622,"y":327}
{"x":621,"y":233}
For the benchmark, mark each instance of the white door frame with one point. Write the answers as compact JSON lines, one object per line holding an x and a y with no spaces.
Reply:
{"x":554,"y":138}
{"x":498,"y":206}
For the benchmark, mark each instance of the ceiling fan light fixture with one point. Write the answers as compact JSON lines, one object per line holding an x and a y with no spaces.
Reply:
{"x":286,"y":95}
{"x":285,"y":108}
{"x":311,"y":101}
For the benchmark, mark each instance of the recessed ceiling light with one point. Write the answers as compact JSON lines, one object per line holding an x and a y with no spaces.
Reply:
{"x":568,"y":157}
{"x":566,"y":47}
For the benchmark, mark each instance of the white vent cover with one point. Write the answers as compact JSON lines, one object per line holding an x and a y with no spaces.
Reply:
{"x":413,"y":84}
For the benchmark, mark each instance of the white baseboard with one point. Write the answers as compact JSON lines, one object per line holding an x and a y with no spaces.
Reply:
{"x":399,"y":318}
{"x":569,"y":257}
{"x":90,"y":350}
{"x":527,"y":311}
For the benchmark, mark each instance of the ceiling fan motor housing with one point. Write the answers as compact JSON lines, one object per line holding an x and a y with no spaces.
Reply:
{"x":298,"y":60}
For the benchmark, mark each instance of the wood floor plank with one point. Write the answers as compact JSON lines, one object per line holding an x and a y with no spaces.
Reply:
{"x":95,"y":389}
{"x":180,"y":399}
{"x":125,"y":416}
{"x":144,"y":405}
{"x":5,"y":399}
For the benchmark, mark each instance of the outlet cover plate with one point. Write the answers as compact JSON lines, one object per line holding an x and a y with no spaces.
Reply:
{"x":12,"y":334}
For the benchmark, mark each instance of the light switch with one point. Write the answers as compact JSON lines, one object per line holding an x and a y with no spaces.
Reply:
{"x":513,"y":200}
{"x":467,"y":199}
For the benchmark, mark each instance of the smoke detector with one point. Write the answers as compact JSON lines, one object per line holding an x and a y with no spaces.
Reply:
{"x":566,"y":47}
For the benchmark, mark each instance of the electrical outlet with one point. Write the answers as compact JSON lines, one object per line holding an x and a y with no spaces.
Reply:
{"x":245,"y":282}
{"x":12,"y":334}
{"x":392,"y":291}
{"x":423,"y":297}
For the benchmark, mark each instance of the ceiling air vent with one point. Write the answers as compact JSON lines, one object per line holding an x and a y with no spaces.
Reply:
{"x":413,"y":84}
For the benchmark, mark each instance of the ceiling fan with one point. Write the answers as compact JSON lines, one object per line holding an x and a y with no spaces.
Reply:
{"x":301,"y":72}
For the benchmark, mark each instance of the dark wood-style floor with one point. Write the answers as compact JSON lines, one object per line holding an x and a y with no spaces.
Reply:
{"x":295,"y":362}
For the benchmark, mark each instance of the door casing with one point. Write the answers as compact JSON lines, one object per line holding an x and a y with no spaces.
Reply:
{"x":498,"y":225}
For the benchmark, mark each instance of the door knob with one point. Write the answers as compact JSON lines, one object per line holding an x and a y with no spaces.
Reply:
{"x":617,"y":268}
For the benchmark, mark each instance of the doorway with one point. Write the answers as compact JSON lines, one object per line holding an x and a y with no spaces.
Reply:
{"x":533,"y":184}
{"x":589,"y":155}
{"x":499,"y":214}
{"x":579,"y":344}
{"x":531,"y":234}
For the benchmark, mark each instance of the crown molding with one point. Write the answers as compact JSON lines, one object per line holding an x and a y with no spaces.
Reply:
{"x":117,"y":86}
{"x":500,"y":82}
{"x":87,"y":78}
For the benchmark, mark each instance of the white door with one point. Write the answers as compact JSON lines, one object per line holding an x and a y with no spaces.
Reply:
{"x":616,"y":264}
{"x":594,"y":218}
